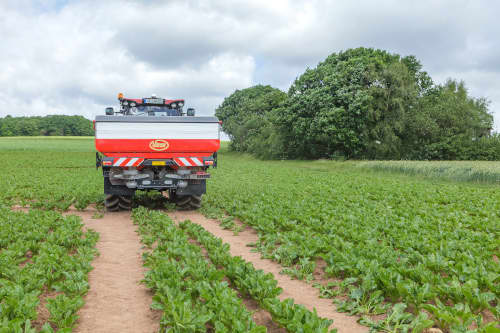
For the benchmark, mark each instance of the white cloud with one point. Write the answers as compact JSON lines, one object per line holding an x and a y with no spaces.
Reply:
{"x":74,"y":56}
{"x":69,"y":61}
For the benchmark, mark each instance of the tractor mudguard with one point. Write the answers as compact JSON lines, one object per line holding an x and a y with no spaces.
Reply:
{"x":194,"y":189}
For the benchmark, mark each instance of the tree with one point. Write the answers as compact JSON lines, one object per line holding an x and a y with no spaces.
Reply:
{"x":48,"y":125}
{"x":352,"y":104}
{"x":448,"y":119}
{"x":361,"y":103}
{"x":246,"y":113}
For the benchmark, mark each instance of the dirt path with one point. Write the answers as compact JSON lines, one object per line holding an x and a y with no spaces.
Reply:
{"x":300,"y":291}
{"x":116,"y":302}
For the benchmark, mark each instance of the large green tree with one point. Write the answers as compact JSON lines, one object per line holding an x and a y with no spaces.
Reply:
{"x":361,"y":103}
{"x":448,"y":124}
{"x":367,"y":103}
{"x":353,"y":104}
{"x":247,"y":118}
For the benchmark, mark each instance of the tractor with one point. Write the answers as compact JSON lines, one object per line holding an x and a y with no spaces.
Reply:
{"x":152,"y":144}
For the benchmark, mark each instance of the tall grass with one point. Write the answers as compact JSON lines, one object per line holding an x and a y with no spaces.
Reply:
{"x":467,"y":171}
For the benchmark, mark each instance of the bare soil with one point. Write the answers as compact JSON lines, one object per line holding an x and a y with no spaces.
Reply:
{"x":28,"y":260}
{"x":43,"y":313}
{"x":116,"y":301}
{"x":300,"y":291}
{"x":262,"y":317}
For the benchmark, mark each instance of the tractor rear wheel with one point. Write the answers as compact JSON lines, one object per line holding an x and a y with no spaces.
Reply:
{"x":188,"y":202}
{"x":125,"y":202}
{"x":114,"y":202}
{"x":111,"y":202}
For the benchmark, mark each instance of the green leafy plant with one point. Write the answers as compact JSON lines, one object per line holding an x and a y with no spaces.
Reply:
{"x":42,"y":251}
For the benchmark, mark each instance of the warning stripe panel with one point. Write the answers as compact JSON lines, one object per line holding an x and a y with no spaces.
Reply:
{"x":127,"y":162}
{"x":136,"y":161}
{"x":188,"y":161}
{"x":197,"y":161}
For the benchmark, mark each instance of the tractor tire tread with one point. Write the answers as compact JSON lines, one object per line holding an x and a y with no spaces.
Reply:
{"x":111,"y":202}
{"x":188,"y":202}
{"x":182,"y":201}
{"x":126,"y":199}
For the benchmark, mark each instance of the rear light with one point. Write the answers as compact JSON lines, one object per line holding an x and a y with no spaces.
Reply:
{"x":209,"y":162}
{"x":107,"y":163}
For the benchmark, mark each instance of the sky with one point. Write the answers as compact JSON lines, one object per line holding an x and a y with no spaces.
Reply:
{"x":74,"y":57}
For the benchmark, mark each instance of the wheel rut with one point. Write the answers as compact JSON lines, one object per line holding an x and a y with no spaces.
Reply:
{"x":116,"y":301}
{"x":300,"y":291}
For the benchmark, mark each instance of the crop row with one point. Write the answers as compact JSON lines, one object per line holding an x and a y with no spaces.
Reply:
{"x":257,"y":285}
{"x":430,"y":247}
{"x":192,"y":293}
{"x":43,"y":256}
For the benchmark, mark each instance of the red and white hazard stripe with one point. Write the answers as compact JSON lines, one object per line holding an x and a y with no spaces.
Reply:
{"x":188,"y":161}
{"x":127,"y":162}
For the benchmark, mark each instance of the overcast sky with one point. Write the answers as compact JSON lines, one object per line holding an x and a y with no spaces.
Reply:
{"x":73,"y":57}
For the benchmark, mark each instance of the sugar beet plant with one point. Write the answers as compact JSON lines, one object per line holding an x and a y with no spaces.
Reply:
{"x":49,"y":173}
{"x":258,"y":285}
{"x":431,"y":247}
{"x":43,"y":255}
{"x":192,"y":292}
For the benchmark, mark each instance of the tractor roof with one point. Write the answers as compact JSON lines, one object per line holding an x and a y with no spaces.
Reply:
{"x":144,"y":100}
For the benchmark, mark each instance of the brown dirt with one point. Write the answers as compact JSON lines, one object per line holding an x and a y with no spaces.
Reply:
{"x":488,"y":317}
{"x":28,"y":260}
{"x":262,"y":317}
{"x":43,"y":313}
{"x":300,"y":291}
{"x":116,"y":301}
{"x":320,"y":275}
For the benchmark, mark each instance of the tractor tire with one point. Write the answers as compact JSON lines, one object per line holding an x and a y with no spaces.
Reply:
{"x":114,"y":203}
{"x":188,"y":202}
{"x":111,"y":202}
{"x":125,"y":202}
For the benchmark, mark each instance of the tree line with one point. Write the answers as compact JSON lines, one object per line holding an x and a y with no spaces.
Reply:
{"x":55,"y":125}
{"x":361,"y":104}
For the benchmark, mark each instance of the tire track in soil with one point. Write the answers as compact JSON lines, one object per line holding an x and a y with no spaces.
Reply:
{"x":116,"y":301}
{"x":300,"y":291}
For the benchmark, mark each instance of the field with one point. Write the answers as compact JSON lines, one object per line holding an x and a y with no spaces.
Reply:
{"x":395,"y":246}
{"x":44,"y":259}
